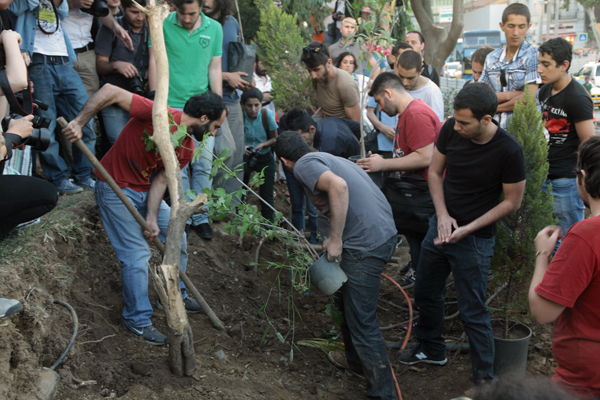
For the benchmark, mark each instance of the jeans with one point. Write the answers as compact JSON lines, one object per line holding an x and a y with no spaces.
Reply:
{"x":568,"y":206}
{"x":200,"y":179}
{"x":131,"y":247}
{"x":266,"y":189}
{"x":469,"y":262}
{"x":59,"y":86}
{"x":114,"y":119}
{"x":298,"y":198}
{"x":414,"y":243}
{"x":231,"y":136}
{"x":357,"y":300}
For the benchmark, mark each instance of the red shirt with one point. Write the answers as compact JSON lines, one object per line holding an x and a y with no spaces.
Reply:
{"x":573,"y":280}
{"x":418,"y":126}
{"x":128,"y":162}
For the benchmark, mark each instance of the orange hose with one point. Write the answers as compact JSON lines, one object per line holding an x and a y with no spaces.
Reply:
{"x":408,"y":331}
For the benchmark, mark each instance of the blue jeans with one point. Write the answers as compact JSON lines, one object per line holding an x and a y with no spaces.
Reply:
{"x":357,"y":300}
{"x":115,"y":119}
{"x":298,"y":198}
{"x":469,"y":262}
{"x":200,"y":179}
{"x":61,"y":88}
{"x":568,"y":206}
{"x":131,"y":247}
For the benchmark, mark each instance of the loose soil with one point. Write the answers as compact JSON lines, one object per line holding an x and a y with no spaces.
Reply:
{"x":69,"y":257}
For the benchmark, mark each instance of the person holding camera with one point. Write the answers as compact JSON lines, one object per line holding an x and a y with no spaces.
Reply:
{"x":122,"y":67}
{"x":260,"y":132}
{"x":56,"y":84}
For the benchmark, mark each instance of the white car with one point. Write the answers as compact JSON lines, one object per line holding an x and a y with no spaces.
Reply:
{"x":453,"y":69}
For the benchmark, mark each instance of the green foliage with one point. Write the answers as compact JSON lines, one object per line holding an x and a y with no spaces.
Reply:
{"x":304,"y":10}
{"x":250,"y":15}
{"x":514,"y":254}
{"x":280,"y":45}
{"x":404,"y":24}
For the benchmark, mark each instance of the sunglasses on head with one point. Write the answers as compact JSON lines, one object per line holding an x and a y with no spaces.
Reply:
{"x":313,"y":48}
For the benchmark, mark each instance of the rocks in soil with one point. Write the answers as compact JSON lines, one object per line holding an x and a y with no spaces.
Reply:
{"x":221,"y":355}
{"x":141,"y":368}
{"x":235,"y":331}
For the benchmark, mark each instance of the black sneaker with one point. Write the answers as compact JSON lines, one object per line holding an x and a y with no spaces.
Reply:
{"x":417,"y":355}
{"x":149,"y":333}
{"x":409,"y":279}
{"x":204,"y":231}
{"x":191,"y":305}
{"x":405,"y":269}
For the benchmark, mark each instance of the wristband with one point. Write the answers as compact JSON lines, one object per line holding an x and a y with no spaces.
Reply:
{"x":543,"y":252}
{"x":10,"y":140}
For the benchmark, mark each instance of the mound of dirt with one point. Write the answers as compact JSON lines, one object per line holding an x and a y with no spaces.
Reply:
{"x":68,"y":257}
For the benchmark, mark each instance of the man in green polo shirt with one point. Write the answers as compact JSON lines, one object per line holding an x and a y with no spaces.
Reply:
{"x":194,"y":45}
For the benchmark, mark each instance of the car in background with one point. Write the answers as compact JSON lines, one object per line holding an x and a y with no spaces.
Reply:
{"x":453,"y":69}
{"x":592,"y":71}
{"x":595,"y":92}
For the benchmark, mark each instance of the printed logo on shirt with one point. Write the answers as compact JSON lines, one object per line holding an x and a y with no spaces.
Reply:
{"x":47,"y":16}
{"x":556,"y":129}
{"x":204,"y":41}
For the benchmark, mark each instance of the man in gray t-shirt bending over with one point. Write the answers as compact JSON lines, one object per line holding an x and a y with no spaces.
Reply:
{"x":357,"y":221}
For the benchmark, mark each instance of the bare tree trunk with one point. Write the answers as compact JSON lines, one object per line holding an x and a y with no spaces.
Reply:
{"x":593,"y":24}
{"x":438,"y":46}
{"x":181,"y":351}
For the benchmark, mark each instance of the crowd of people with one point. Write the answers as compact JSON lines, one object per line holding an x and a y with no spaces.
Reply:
{"x":473,"y":169}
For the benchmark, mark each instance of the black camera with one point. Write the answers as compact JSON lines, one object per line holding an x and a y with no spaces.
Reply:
{"x":252,"y":157}
{"x":136,"y":85}
{"x":40,"y":137}
{"x":99,"y":8}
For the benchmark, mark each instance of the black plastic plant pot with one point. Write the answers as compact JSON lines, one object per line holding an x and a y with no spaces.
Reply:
{"x":511,"y":354}
{"x":376,"y":177}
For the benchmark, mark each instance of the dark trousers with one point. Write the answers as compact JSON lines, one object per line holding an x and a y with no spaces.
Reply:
{"x":357,"y":300}
{"x":266,"y":189}
{"x":23,"y":198}
{"x":298,"y":199}
{"x":414,"y":243}
{"x":469,"y":261}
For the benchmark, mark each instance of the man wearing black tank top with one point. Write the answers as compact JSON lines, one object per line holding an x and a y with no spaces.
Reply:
{"x":568,"y":113}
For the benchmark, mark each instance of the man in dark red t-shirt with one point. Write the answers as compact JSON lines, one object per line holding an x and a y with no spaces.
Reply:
{"x":417,"y":131}
{"x":142,"y":177}
{"x":566,"y":290}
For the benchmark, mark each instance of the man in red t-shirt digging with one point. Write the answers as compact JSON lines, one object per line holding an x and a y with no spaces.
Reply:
{"x":566,"y":290}
{"x":417,"y":131}
{"x":141,"y":176}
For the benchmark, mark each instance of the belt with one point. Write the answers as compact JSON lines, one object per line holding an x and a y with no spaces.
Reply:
{"x":88,"y":47}
{"x":43,"y":59}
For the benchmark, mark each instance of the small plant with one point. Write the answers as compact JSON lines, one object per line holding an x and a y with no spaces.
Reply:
{"x":514,"y":254}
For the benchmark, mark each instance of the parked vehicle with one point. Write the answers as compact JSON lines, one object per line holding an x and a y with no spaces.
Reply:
{"x":592,"y":71}
{"x":453,"y":69}
{"x":472,"y":40}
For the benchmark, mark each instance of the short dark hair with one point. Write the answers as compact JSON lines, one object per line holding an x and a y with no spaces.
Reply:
{"x":224,"y":8}
{"x":480,"y":54}
{"x":516,"y":9}
{"x":179,"y":3}
{"x":386,"y":80}
{"x":209,"y":104}
{"x":410,"y":59}
{"x":129,"y":3}
{"x":589,"y":160}
{"x":297,"y":120}
{"x":559,"y":49}
{"x":291,"y":146}
{"x":400,"y":45}
{"x":315,"y":55}
{"x":478,"y":97}
{"x":421,"y":37}
{"x":338,"y":61}
{"x":253,"y":93}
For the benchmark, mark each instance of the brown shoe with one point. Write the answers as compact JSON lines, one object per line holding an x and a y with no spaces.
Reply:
{"x":338,"y":359}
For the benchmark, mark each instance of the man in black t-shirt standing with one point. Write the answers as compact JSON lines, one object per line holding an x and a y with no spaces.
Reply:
{"x":568,"y":112}
{"x":480,"y":161}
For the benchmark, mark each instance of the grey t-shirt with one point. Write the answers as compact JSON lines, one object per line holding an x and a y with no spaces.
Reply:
{"x":432,"y":96}
{"x":369,"y":221}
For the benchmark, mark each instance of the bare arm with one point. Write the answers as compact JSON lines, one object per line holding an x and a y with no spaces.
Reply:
{"x":418,"y":159}
{"x":105,"y":67}
{"x":543,"y":310}
{"x":155,"y":196}
{"x":16,"y":71}
{"x":215,"y":76}
{"x":388,"y":131}
{"x":353,"y":112}
{"x":112,"y":24}
{"x":503,"y":97}
{"x":151,"y":70}
{"x":337,"y":191}
{"x":4,"y":4}
{"x":106,"y":96}
{"x":509,"y":105}
{"x":513,"y":195}
{"x":435,"y":178}
{"x":268,"y":143}
{"x":585,"y":129}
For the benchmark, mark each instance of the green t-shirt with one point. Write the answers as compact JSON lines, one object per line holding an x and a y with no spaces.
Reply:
{"x":189,"y":57}
{"x":588,"y":87}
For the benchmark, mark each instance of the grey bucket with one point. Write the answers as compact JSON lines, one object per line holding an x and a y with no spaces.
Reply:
{"x":326,"y":276}
{"x":376,"y":177}
{"x":511,"y":354}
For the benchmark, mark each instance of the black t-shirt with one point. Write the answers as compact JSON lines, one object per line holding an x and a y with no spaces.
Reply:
{"x":475,"y":173}
{"x":560,"y":113}
{"x":334,"y":136}
{"x":433,"y":76}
